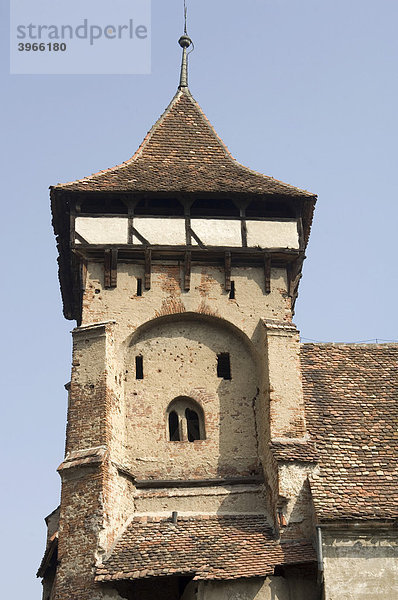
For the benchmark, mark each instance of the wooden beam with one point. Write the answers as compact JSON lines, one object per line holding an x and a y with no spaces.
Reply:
{"x":227,"y":267}
{"x":196,"y":238}
{"x":187,"y":216}
{"x":107,"y":268}
{"x":131,"y":206}
{"x":113,"y":268}
{"x":83,"y":274}
{"x":243,"y":227}
{"x":188,"y":483}
{"x":267,"y":273}
{"x":301,"y":234}
{"x":72,"y":228}
{"x":110,"y":268}
{"x":187,"y":271}
{"x":289,"y":272}
{"x":148,"y":268}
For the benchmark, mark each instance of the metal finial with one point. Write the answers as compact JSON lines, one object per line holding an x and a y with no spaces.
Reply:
{"x":185,"y":17}
{"x":185,"y":42}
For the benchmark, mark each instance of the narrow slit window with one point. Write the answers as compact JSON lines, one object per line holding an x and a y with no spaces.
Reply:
{"x":139,"y":287}
{"x":193,"y":427}
{"x":223,"y":365}
{"x":232,"y":291}
{"x":174,"y":430}
{"x":139,"y":367}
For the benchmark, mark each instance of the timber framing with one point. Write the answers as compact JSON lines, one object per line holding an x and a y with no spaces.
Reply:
{"x":67,"y":205}
{"x":227,"y":269}
{"x":267,"y":273}
{"x":187,"y":271}
{"x":110,"y":268}
{"x":188,"y":483}
{"x":148,"y":268}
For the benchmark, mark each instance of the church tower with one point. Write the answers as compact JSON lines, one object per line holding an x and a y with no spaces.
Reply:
{"x":187,"y":453}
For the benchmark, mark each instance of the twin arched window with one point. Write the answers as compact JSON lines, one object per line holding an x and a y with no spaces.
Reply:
{"x":185,"y":420}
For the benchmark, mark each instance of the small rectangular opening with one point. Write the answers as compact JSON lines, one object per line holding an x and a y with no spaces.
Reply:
{"x":223,"y":365}
{"x":139,"y":367}
{"x":139,"y":287}
{"x":232,"y":291}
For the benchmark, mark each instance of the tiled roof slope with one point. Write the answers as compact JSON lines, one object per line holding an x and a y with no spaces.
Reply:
{"x":211,"y":547}
{"x":351,"y":396}
{"x":182,"y":153}
{"x":293,"y":451}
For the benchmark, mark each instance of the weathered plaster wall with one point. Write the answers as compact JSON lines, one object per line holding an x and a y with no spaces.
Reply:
{"x":286,"y":401}
{"x":360,"y":566}
{"x":206,"y":500}
{"x":180,"y":359}
{"x":179,"y":335}
{"x":297,"y":509}
{"x":270,"y":588}
{"x":206,"y":296}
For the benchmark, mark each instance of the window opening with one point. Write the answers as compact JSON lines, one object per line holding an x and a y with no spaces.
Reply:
{"x":232,"y":291}
{"x":139,"y":367}
{"x":192,"y":425}
{"x":139,"y":287}
{"x":223,"y":365}
{"x":263,"y":209}
{"x":99,"y":206}
{"x":159,"y":206}
{"x":174,"y":432}
{"x":185,"y":420}
{"x":208,"y":207}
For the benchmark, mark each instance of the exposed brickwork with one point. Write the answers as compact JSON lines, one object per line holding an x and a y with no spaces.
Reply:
{"x":282,"y":348}
{"x":87,"y":425}
{"x":169,"y":279}
{"x":228,"y":547}
{"x":170,"y":306}
{"x":351,"y":395}
{"x":81,"y":520}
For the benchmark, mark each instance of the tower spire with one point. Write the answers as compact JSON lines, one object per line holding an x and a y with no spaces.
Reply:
{"x":185,"y":42}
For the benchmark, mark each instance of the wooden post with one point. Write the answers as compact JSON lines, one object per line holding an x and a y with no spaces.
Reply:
{"x":110,"y":269}
{"x":267,"y":273}
{"x":227,"y":263}
{"x":148,"y":268}
{"x":187,"y":271}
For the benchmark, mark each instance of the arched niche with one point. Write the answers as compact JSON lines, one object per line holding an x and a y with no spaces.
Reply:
{"x":181,"y":357}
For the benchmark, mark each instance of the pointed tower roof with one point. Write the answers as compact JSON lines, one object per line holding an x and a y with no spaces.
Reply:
{"x":182,"y":153}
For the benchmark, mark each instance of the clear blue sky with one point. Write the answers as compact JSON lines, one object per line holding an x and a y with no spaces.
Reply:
{"x":304,"y":91}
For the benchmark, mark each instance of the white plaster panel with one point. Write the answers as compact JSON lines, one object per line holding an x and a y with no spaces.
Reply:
{"x":360,"y":566}
{"x":218,"y":232}
{"x":164,"y":232}
{"x":272,"y":234}
{"x":102,"y":230}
